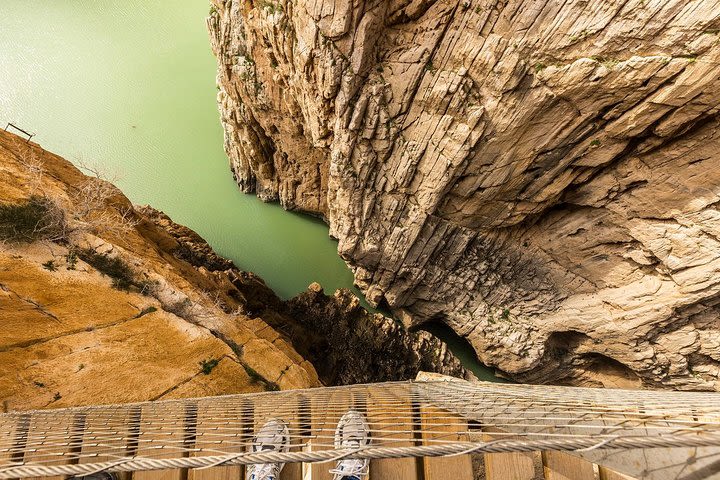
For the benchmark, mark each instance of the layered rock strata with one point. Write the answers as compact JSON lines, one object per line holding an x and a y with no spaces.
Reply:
{"x":541,"y":176}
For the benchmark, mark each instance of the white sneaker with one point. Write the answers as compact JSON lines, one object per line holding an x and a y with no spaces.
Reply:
{"x":273,"y":436}
{"x":352,"y":432}
{"x":97,"y":476}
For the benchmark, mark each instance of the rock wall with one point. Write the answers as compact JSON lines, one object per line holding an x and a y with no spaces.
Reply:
{"x":541,"y":176}
{"x":349,"y":346}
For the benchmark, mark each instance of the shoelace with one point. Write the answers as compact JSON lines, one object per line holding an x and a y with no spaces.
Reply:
{"x":265,"y":471}
{"x":351,"y":467}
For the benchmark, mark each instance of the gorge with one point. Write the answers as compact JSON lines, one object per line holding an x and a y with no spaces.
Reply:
{"x":139,"y":105}
{"x":105,"y":302}
{"x":538,"y":177}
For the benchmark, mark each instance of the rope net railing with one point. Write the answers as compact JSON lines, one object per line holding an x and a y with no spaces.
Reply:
{"x":405,"y":419}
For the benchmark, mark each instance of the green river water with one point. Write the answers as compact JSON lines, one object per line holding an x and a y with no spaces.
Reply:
{"x":129,"y":86}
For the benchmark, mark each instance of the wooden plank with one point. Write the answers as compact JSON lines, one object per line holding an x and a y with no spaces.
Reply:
{"x":507,"y":466}
{"x":441,"y":425}
{"x":218,"y":431}
{"x":662,"y":463}
{"x":162,"y":435}
{"x":49,"y":441}
{"x":105,"y":437}
{"x":607,"y":474}
{"x":293,"y":471}
{"x":562,"y":466}
{"x":391,"y":421}
{"x":13,"y":435}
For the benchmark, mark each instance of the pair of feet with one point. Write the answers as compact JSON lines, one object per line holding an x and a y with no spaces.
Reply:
{"x":352,"y":432}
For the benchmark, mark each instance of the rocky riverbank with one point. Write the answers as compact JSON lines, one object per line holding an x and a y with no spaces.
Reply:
{"x":345,"y":343}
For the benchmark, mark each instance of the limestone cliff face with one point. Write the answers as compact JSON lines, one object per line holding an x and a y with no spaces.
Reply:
{"x":541,"y":176}
{"x":104,"y":310}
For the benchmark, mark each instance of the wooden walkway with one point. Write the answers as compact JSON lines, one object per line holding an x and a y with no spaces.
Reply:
{"x":418,"y":415}
{"x":142,"y":440}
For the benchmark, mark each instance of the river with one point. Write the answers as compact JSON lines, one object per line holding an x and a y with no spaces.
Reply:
{"x":129,"y":87}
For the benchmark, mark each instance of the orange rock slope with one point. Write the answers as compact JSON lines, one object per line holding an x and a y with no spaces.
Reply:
{"x":70,"y":336}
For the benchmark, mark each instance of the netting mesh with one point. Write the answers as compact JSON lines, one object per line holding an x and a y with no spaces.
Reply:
{"x":405,"y":419}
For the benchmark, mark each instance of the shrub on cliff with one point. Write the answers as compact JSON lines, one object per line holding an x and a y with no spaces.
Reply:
{"x":207,"y":366}
{"x":38,"y":218}
{"x":117,"y":269}
{"x":122,"y":275}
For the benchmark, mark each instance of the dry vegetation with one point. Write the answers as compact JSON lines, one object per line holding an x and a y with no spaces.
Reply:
{"x":47,"y":216}
{"x":87,"y":211}
{"x":38,"y":218}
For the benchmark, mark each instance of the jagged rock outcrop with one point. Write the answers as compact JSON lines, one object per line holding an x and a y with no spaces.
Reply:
{"x":346,"y":344}
{"x":541,"y":176}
